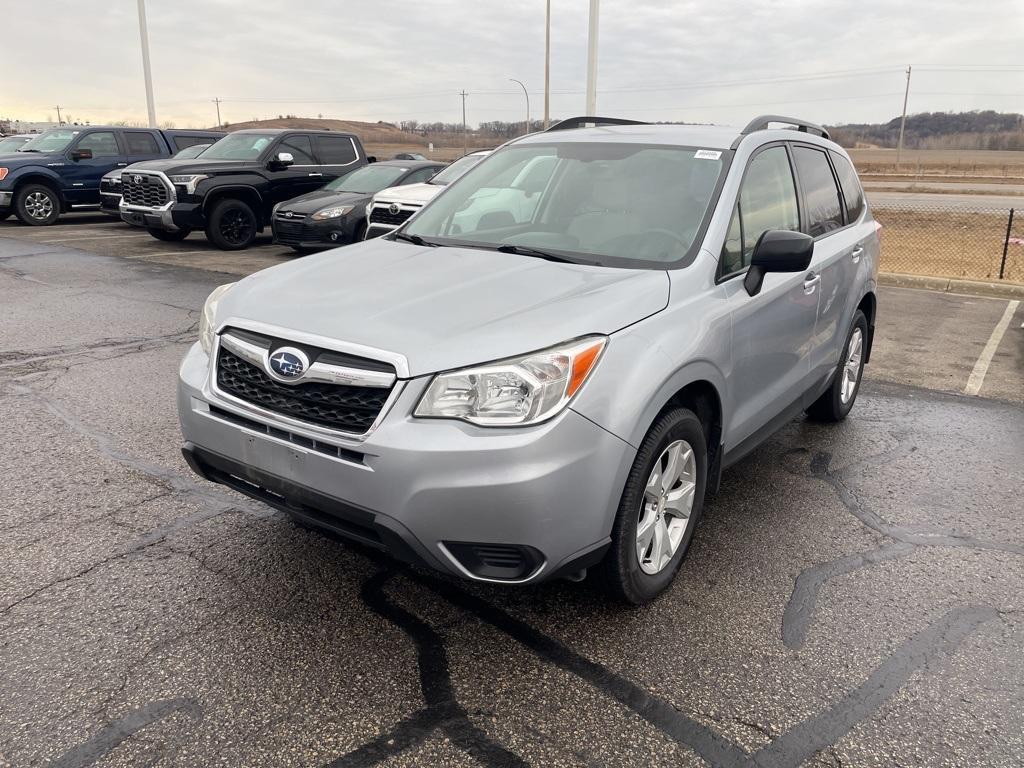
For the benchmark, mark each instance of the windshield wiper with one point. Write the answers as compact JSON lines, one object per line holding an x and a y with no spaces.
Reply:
{"x":523,"y":250}
{"x":414,"y":239}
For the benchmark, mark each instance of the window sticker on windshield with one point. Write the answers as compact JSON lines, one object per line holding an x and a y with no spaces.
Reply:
{"x":706,"y":154}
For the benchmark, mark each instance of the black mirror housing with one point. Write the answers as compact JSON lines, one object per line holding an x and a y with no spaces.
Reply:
{"x":81,"y":154}
{"x":778,"y":250}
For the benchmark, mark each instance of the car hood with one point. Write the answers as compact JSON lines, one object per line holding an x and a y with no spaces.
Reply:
{"x":13,"y":159}
{"x":443,"y":308}
{"x":116,"y":173}
{"x":314,"y":201}
{"x":408,"y":193}
{"x":196,"y":165}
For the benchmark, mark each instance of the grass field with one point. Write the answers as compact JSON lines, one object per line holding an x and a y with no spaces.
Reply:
{"x":966,"y":163}
{"x":948,"y":244}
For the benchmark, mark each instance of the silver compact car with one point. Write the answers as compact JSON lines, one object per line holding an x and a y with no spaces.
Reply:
{"x":552,"y":385}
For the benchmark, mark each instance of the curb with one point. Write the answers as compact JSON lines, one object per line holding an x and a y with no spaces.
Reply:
{"x":952,"y":285}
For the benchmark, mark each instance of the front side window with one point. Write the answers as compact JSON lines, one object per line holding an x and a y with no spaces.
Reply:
{"x":300,"y":147}
{"x":239,"y":146}
{"x":141,"y":143}
{"x":821,"y":195}
{"x":852,"y":192}
{"x":609,"y":203}
{"x":767,"y":200}
{"x":102,"y":144}
{"x":54,"y":140}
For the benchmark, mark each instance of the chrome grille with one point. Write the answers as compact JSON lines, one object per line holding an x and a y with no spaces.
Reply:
{"x":144,"y":190}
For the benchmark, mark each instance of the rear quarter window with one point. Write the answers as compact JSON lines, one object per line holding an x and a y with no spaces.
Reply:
{"x":853,"y":193}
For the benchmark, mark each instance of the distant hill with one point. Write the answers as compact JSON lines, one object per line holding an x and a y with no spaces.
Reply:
{"x":940,"y":130}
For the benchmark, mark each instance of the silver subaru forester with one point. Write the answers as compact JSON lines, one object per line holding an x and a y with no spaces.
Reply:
{"x":546,"y":370}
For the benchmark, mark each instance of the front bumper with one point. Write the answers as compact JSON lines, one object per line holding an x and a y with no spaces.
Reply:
{"x":172,"y":217}
{"x":308,"y":234}
{"x":421,"y":488}
{"x":6,"y":199}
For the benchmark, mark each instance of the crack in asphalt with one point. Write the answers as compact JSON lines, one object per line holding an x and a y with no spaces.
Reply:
{"x":940,"y":639}
{"x":112,"y":735}
{"x":15,"y":359}
{"x":798,"y":614}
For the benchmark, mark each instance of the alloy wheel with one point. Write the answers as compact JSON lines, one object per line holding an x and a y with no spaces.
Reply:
{"x":666,"y":506}
{"x":235,"y":226}
{"x":39,"y":206}
{"x":851,"y":366}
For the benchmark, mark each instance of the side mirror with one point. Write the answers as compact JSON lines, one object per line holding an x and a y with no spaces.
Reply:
{"x":81,"y":154}
{"x":778,"y":250}
{"x":282,"y":160}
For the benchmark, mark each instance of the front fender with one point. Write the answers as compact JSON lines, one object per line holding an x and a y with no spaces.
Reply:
{"x":33,"y":172}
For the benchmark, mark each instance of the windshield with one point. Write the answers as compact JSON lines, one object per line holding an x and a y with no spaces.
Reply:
{"x":368,"y":179}
{"x":239,"y":146}
{"x":190,"y":153}
{"x":456,"y":169}
{"x":54,"y":140}
{"x":614,"y":204}
{"x":11,"y":144}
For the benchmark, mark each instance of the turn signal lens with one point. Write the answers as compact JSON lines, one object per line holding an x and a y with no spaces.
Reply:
{"x":3,"y":173}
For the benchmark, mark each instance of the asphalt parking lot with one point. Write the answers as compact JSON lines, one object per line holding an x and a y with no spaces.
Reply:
{"x":854,"y":596}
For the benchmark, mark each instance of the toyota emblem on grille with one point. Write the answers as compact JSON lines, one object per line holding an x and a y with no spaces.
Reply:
{"x":288,"y":363}
{"x":393,"y":209}
{"x":136,"y":179}
{"x":288,"y":214}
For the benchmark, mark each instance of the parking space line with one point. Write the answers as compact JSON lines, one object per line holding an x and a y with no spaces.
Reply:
{"x":167,"y":253}
{"x":80,"y":239}
{"x":977,"y":377}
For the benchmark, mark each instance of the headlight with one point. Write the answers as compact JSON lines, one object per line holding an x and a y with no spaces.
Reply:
{"x":332,"y":213}
{"x":516,"y":392}
{"x":206,"y":322}
{"x":189,"y":182}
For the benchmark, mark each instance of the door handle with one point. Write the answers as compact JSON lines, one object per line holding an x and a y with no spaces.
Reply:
{"x":811,"y":283}
{"x":316,"y":174}
{"x":856,"y":253}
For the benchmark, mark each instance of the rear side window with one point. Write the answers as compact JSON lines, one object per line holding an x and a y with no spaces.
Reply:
{"x":141,"y":143}
{"x":102,"y":144}
{"x":335,"y":150}
{"x":300,"y":148}
{"x":852,"y":192}
{"x":821,"y":195}
{"x":184,"y":142}
{"x":767,"y":201}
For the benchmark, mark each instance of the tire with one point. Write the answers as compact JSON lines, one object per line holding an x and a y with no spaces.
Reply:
{"x":630,"y":572}
{"x":170,"y":237}
{"x":37,"y":205}
{"x":835,"y":403}
{"x":231,"y":225}
{"x":360,"y":232}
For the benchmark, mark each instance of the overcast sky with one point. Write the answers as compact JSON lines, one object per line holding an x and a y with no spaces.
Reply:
{"x":832,"y":61}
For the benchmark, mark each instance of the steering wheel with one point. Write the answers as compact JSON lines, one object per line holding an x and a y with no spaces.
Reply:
{"x":648,"y":244}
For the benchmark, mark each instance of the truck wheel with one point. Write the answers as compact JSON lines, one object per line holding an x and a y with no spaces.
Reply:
{"x":838,"y":399}
{"x":659,"y":509}
{"x":37,"y":204}
{"x":170,"y":237}
{"x":232,"y":225}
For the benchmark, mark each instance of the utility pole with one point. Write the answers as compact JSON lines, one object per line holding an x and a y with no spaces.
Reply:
{"x":527,"y":95}
{"x":465,"y":137}
{"x":903,"y":120}
{"x":547,"y":66}
{"x":144,"y":37}
{"x":59,"y":121}
{"x":217,"y":102}
{"x":592,"y":60}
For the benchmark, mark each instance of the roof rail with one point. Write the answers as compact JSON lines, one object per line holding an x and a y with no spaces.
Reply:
{"x":588,"y":121}
{"x":760,"y":123}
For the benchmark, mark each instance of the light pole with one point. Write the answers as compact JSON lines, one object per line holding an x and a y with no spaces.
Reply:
{"x":144,"y":36}
{"x":592,"y":59}
{"x":547,"y":66}
{"x":527,"y":95}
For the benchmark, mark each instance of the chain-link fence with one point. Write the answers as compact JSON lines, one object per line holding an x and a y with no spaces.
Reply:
{"x":951,"y":240}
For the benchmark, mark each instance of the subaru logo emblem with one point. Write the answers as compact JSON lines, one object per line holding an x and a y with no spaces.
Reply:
{"x":393,"y":209}
{"x":288,"y":214}
{"x":288,"y":363}
{"x":136,"y":179}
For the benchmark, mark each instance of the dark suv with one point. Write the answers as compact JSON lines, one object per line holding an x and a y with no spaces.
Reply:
{"x":231,"y":189}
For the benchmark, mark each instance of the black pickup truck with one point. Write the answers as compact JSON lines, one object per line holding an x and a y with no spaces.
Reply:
{"x":231,"y":189}
{"x":62,"y":167}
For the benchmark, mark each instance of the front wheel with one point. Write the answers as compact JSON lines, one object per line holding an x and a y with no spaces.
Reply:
{"x":659,"y":509}
{"x":231,"y":225}
{"x":835,"y":403}
{"x":170,"y":237}
{"x":37,"y":204}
